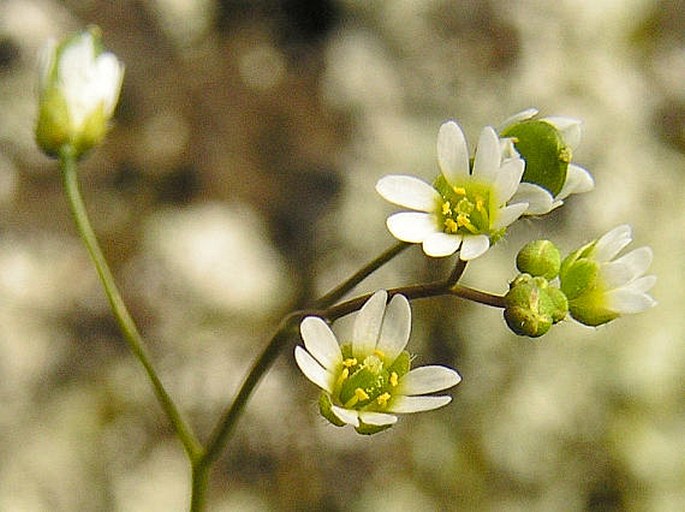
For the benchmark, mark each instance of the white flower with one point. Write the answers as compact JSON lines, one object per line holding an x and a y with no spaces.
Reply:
{"x":601,"y":288}
{"x":577,"y":180}
{"x":367,"y":381}
{"x":78,"y":88}
{"x":463,"y":209}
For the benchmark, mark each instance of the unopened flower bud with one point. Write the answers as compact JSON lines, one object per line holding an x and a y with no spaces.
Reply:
{"x":539,"y":258}
{"x":532,"y":306}
{"x":78,"y":90}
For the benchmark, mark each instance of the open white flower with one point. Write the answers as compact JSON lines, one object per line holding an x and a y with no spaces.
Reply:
{"x":78,"y":88}
{"x":463,"y":210}
{"x":576,"y":180}
{"x":367,"y":381}
{"x":601,"y":288}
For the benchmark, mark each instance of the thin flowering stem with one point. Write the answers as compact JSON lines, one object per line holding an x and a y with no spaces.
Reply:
{"x":339,"y":291}
{"x":128,"y":328}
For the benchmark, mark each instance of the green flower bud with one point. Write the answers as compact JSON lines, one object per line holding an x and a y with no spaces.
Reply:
{"x":539,"y":258}
{"x":532,"y":306}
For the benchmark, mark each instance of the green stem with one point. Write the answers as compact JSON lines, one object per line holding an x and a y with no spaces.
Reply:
{"x":128,"y":328}
{"x":339,"y":291}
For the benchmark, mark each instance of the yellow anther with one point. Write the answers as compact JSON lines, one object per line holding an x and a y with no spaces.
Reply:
{"x":379,"y":353}
{"x":446,"y":208}
{"x":348,"y":363}
{"x":361,"y":394}
{"x":383,"y":399}
{"x":394,"y":379}
{"x":480,"y":203}
{"x":342,"y":377}
{"x":459,"y":190}
{"x":451,"y":226}
{"x":463,"y":220}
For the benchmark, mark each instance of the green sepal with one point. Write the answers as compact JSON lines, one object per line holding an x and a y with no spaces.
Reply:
{"x":368,"y":430}
{"x":579,"y":277}
{"x":325,"y":408}
{"x":53,"y":128}
{"x":588,"y":309}
{"x":547,"y":157}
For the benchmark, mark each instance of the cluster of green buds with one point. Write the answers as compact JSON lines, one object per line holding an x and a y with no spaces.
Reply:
{"x":590,"y":284}
{"x":533,"y":305}
{"x":78,"y":89}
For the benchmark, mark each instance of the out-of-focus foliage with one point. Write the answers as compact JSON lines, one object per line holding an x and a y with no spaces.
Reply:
{"x":237,"y":182}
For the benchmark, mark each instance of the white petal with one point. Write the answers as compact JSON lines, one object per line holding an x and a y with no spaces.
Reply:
{"x":453,"y":154}
{"x":578,"y":181}
{"x":615,"y":275}
{"x":524,"y":115}
{"x":313,"y":370}
{"x":367,"y":325}
{"x":538,"y":199}
{"x":488,"y":156}
{"x":508,"y":179}
{"x":320,"y":342}
{"x":628,"y":301}
{"x":396,"y":327}
{"x":638,"y":260}
{"x":441,"y":244}
{"x":643,"y":284}
{"x":377,"y":419}
{"x":408,"y":191}
{"x":610,"y":244}
{"x":110,"y":74}
{"x":348,"y":416}
{"x":408,"y":404}
{"x":412,"y":227}
{"x":509,"y":214}
{"x":473,"y":246}
{"x":570,"y":128}
{"x":428,"y":379}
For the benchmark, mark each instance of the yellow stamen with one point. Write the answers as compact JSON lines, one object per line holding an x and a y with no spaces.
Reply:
{"x":342,"y":377}
{"x":379,"y":354}
{"x":451,"y":226}
{"x":350,"y":362}
{"x":459,"y":190}
{"x":394,"y":379}
{"x":565,"y":155}
{"x":446,"y":208}
{"x":361,"y":394}
{"x":383,"y":399}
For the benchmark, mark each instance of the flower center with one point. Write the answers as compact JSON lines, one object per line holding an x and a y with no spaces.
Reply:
{"x":466,"y":209}
{"x":367,"y":384}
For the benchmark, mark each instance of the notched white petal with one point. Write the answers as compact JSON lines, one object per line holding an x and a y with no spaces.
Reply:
{"x":428,"y":379}
{"x":610,"y":244}
{"x":539,"y":200}
{"x":439,"y":244}
{"x":377,"y":419}
{"x":570,"y":128}
{"x":409,"y":404}
{"x":412,"y":227}
{"x":453,"y":154}
{"x":578,"y":181}
{"x":474,"y":246}
{"x":320,"y":342}
{"x":350,"y":417}
{"x":367,"y":325}
{"x":408,"y":191}
{"x":313,"y":370}
{"x":629,"y":301}
{"x":637,"y":261}
{"x":396,"y":328}
{"x":488,"y":155}
{"x":508,"y":179}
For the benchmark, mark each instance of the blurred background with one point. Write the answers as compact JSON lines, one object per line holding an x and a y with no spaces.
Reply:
{"x":237,"y":183}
